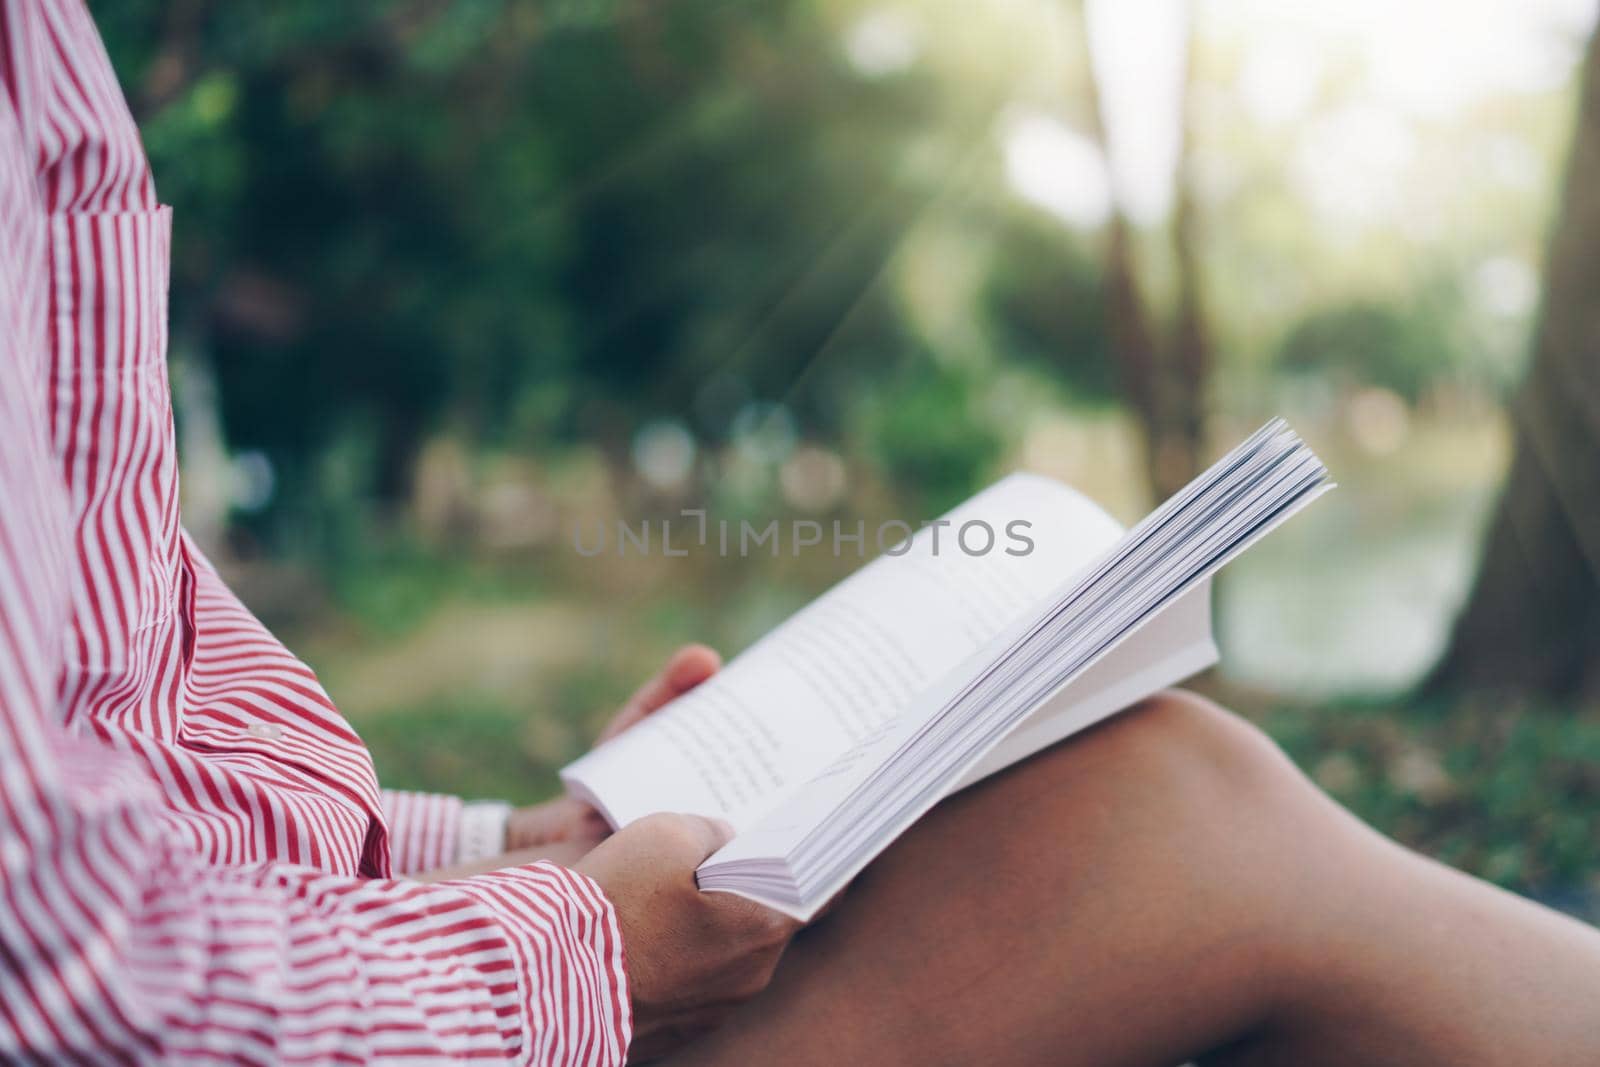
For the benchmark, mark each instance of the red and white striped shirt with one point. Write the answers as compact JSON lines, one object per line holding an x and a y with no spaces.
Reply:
{"x":196,"y":860}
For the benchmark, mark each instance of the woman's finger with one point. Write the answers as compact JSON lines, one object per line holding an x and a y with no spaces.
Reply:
{"x":684,"y":669}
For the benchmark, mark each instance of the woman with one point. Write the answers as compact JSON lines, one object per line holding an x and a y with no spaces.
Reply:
{"x":198,"y":864}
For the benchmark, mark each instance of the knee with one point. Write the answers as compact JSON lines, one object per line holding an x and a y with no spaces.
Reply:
{"x":1184,"y":722}
{"x":1175,"y":773}
{"x":1193,"y":753}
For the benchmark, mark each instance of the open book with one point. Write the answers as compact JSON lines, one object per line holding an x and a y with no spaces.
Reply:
{"x":933,"y":667}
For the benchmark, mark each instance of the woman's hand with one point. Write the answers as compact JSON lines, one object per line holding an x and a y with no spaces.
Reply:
{"x":571,"y":823}
{"x":692,"y":957}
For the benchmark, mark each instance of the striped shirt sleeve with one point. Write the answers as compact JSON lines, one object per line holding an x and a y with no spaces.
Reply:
{"x":193,"y":858}
{"x":424,"y":829}
{"x":432,"y":830}
{"x":127,"y":944}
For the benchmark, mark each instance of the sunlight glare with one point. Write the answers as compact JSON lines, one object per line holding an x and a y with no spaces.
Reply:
{"x":882,"y":41}
{"x":1056,"y":168}
{"x":1139,"y":57}
{"x":1431,"y":58}
{"x":1350,"y":165}
{"x":1279,"y":80}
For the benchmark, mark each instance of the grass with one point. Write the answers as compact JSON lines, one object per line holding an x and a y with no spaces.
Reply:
{"x":1506,"y":793}
{"x":484,"y":746}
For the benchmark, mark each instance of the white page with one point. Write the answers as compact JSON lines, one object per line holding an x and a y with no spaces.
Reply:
{"x":841,"y":669}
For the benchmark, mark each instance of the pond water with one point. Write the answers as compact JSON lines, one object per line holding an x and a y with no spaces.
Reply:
{"x":1356,"y":595}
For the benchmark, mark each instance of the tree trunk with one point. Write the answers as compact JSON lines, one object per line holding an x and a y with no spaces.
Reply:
{"x":1531,"y":625}
{"x":1163,"y":379}
{"x":1182,"y":456}
{"x":1132,"y":338}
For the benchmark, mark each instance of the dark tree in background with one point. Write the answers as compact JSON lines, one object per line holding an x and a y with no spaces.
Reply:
{"x":1531,"y":625}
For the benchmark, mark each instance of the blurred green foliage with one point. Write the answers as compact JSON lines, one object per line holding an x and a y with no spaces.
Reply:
{"x":931,"y":435}
{"x":1370,"y":343}
{"x":527,"y":226}
{"x":521,"y":225}
{"x":1048,"y":311}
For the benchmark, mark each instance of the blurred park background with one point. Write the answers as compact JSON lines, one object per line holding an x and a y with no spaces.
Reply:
{"x":454,"y":276}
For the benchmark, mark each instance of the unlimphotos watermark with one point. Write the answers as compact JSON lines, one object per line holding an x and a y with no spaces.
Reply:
{"x":892,"y":537}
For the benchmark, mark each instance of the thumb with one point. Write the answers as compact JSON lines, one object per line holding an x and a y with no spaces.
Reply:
{"x":718,"y":832}
{"x":680,"y":840}
{"x":703,"y":835}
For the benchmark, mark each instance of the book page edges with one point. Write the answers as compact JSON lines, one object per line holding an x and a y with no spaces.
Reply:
{"x":1176,"y":644}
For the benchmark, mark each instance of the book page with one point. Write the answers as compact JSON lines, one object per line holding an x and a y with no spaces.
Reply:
{"x":838,"y":672}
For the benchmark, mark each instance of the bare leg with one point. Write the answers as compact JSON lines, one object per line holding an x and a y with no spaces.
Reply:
{"x":1167,"y":887}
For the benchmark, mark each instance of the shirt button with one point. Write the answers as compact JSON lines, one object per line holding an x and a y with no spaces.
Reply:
{"x":267,"y":731}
